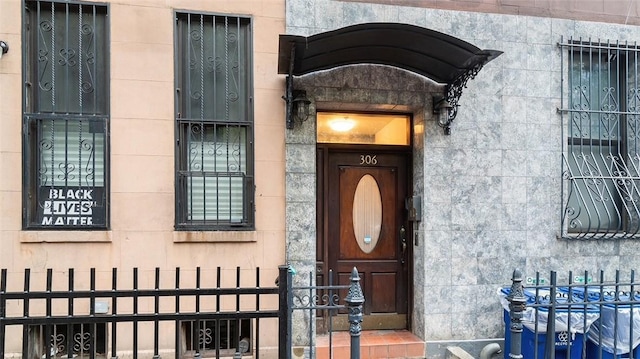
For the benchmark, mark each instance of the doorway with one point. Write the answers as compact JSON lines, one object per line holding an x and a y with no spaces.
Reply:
{"x":362,"y":223}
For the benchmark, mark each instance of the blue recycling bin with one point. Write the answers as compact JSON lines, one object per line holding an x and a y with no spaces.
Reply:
{"x":567,"y":344}
{"x":611,"y":336}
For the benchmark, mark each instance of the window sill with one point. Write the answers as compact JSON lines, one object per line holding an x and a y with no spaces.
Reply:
{"x":214,"y":236}
{"x":65,"y":236}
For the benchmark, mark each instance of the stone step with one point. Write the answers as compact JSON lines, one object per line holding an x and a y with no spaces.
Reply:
{"x":374,"y":344}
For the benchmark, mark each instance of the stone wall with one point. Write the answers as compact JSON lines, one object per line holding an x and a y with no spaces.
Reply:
{"x":492,"y":190}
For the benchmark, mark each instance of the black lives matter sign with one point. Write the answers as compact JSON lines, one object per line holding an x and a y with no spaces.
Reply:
{"x":72,"y":206}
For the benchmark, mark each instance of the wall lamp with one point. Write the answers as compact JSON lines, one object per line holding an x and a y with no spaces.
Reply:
{"x":297,"y":107}
{"x":4,"y":48}
{"x":442,"y":109}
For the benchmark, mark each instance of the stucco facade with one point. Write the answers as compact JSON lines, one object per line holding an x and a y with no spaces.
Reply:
{"x":142,"y":138}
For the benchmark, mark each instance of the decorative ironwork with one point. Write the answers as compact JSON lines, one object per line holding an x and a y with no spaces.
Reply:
{"x":453,"y":91}
{"x":210,"y":336}
{"x":65,"y":112}
{"x":214,"y":171}
{"x":66,"y":340}
{"x":601,"y":164}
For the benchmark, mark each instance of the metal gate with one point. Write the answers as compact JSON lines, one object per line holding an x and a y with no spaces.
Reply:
{"x":313,"y":299}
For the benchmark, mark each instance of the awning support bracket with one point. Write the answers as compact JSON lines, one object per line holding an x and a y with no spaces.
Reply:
{"x":453,"y":91}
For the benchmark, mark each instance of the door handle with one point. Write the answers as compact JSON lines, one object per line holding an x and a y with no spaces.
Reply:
{"x":403,"y":243}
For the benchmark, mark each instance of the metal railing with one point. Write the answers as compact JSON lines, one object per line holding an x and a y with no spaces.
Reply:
{"x":323,"y":301}
{"x":578,"y":317}
{"x":57,"y":318}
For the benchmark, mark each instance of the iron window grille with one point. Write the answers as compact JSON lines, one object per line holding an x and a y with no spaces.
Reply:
{"x":65,"y":115}
{"x":214,"y":123}
{"x":601,"y":160}
{"x":68,"y":340}
{"x":222,"y":337}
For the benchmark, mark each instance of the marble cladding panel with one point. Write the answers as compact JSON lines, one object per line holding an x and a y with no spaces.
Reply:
{"x":413,"y":15}
{"x":437,"y":327}
{"x":436,"y":244}
{"x":300,"y":158}
{"x":605,"y":32}
{"x":490,"y":27}
{"x":514,"y":115}
{"x":514,"y":163}
{"x":463,"y":217}
{"x":464,"y":325}
{"x":547,"y":163}
{"x":540,"y":111}
{"x":486,"y":110}
{"x":466,"y":137}
{"x":539,"y":30}
{"x":515,"y":55}
{"x":538,"y":83}
{"x":437,"y":298}
{"x":438,"y":20}
{"x":329,"y":15}
{"x":515,"y":82}
{"x":356,"y":13}
{"x":463,"y":163}
{"x":464,"y":244}
{"x":301,"y":246}
{"x":301,"y":187}
{"x":437,"y":217}
{"x":492,"y":270}
{"x":488,"y":189}
{"x":511,"y":217}
{"x":437,"y":189}
{"x":464,"y":272}
{"x":464,"y":25}
{"x":489,"y":162}
{"x":301,"y":217}
{"x":299,"y":13}
{"x":539,"y":56}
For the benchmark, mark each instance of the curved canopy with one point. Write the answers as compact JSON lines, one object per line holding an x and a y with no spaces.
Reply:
{"x":435,"y":55}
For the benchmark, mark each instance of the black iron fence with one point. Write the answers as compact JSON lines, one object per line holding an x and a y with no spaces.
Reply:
{"x":204,"y":317}
{"x":323,"y":303}
{"x":577,"y":316}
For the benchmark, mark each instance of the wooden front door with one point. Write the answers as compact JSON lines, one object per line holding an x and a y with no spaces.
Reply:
{"x":364,"y":193}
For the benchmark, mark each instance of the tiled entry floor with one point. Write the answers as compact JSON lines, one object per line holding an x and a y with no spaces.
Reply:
{"x":374,"y":344}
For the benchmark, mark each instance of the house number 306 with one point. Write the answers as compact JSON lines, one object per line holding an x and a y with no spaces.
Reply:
{"x":368,"y":160}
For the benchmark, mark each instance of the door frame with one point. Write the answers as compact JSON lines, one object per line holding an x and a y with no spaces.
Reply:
{"x":323,"y":150}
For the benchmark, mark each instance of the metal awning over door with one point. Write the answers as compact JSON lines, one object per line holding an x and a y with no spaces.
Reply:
{"x":429,"y":53}
{"x":440,"y":57}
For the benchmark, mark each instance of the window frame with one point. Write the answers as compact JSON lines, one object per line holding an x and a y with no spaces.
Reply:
{"x":182,"y":222}
{"x":35,"y":114}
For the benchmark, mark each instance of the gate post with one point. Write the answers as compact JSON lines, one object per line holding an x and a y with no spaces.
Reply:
{"x":517,"y":303}
{"x":355,"y":300}
{"x":285,"y":309}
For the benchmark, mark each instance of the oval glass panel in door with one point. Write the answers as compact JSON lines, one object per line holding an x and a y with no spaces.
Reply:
{"x":367,"y":213}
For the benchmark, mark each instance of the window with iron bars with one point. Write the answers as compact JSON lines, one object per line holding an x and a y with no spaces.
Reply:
{"x":65,"y":115}
{"x":224,"y":337}
{"x":214,"y":123}
{"x":68,"y":340}
{"x":601,"y":160}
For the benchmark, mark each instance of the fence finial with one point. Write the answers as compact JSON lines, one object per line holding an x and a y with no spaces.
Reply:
{"x":355,"y":300}
{"x":517,"y":304}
